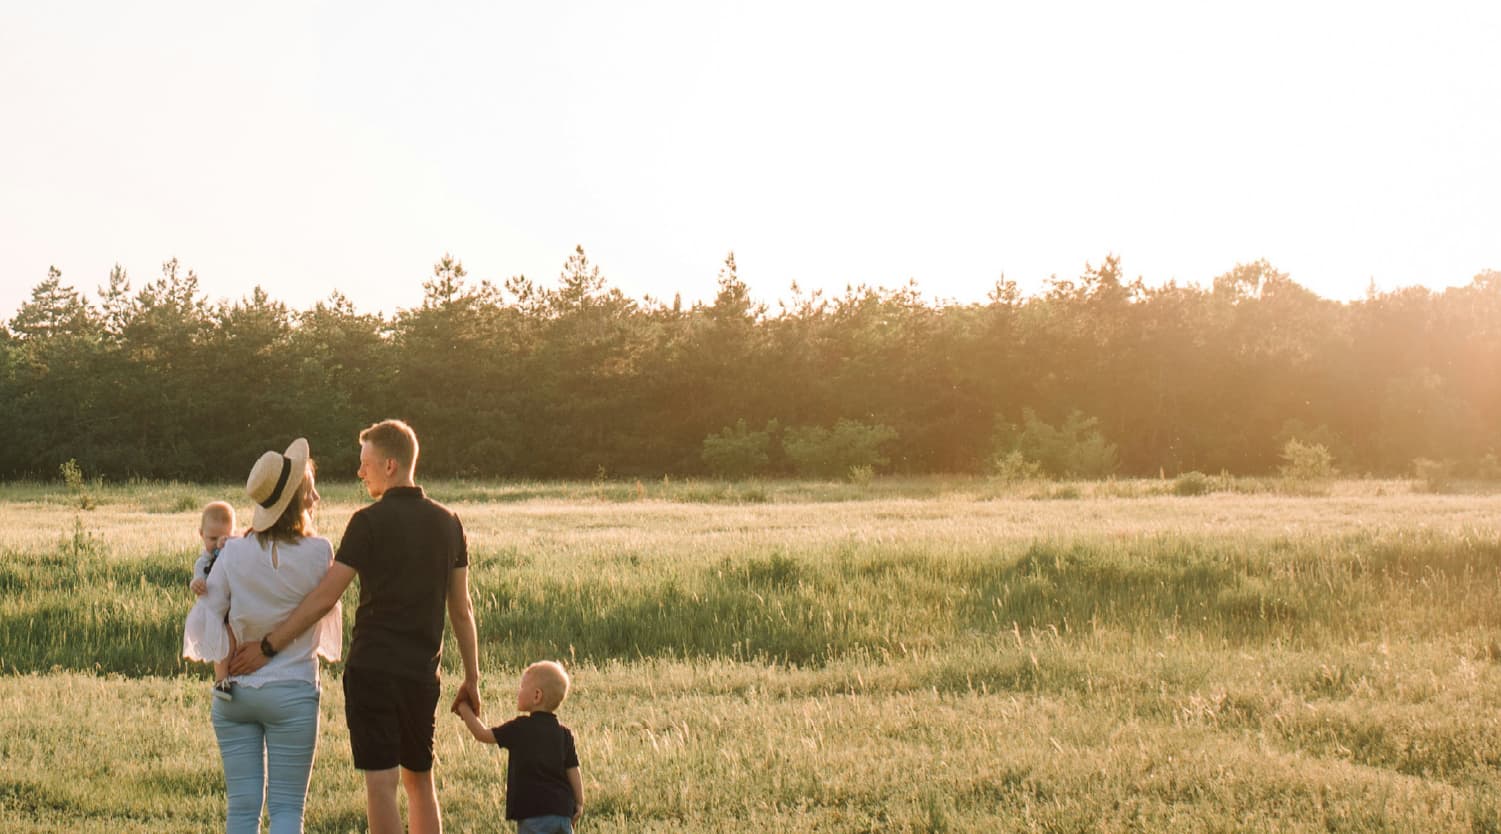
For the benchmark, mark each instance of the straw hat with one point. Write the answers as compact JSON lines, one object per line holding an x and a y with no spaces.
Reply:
{"x":273,"y":482}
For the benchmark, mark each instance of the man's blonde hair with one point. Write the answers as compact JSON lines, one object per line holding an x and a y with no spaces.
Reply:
{"x":395,"y":439}
{"x":550,"y":677}
{"x":217,"y":511}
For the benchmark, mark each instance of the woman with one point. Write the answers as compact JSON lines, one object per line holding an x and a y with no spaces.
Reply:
{"x":272,"y":713}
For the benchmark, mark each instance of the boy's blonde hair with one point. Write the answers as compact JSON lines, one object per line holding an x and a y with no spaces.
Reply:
{"x":550,"y":677}
{"x":217,"y":511}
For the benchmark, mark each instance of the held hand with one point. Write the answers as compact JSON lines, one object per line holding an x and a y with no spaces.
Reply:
{"x":247,"y":659}
{"x":199,"y":587}
{"x":468,"y":693}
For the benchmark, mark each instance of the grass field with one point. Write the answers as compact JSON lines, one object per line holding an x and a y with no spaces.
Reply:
{"x":905,"y":655}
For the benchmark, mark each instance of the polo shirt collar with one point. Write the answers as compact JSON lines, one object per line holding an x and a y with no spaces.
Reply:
{"x":403,"y":492}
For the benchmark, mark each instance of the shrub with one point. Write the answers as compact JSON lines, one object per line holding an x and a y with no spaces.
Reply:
{"x":78,"y":488}
{"x":1013,"y":467}
{"x":1433,"y":475}
{"x":1075,"y":449}
{"x":818,"y":452}
{"x":1192,"y":483}
{"x":1320,"y":435}
{"x":72,"y":475}
{"x":1306,"y":461}
{"x":737,"y":452}
{"x":862,"y":475}
{"x":1489,"y":468}
{"x":82,"y":545}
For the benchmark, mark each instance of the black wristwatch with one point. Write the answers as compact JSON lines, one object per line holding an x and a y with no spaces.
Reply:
{"x":266,"y":648}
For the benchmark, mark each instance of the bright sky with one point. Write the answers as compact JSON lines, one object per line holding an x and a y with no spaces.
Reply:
{"x":309,"y":147}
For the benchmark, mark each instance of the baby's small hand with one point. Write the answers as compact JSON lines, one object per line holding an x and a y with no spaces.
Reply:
{"x":199,"y":587}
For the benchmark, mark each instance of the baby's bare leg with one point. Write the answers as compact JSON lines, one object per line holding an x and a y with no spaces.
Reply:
{"x":221,"y":667}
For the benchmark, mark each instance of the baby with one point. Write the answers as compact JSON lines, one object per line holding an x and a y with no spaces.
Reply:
{"x":214,"y":528}
{"x":544,"y":791}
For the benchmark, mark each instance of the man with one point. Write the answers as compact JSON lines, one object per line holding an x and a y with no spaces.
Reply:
{"x":412,"y":560}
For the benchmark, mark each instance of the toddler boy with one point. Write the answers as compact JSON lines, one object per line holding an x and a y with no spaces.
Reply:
{"x":544,"y":791}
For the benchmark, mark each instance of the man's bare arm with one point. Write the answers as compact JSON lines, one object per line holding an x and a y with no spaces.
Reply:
{"x":461,"y":615}
{"x":312,"y":608}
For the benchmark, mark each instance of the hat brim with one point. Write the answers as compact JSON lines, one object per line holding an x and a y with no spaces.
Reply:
{"x":298,"y":454}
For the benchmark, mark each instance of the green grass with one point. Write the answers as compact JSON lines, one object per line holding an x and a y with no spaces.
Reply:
{"x":919,"y":656}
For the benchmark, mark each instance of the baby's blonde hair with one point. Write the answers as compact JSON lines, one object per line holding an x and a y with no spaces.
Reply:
{"x":218,"y":511}
{"x":550,"y":677}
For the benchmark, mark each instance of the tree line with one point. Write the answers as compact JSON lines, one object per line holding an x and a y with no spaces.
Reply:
{"x":574,"y":379}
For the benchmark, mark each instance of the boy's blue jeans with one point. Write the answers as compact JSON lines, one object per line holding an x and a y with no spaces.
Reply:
{"x":545,"y":825}
{"x":268,"y":728}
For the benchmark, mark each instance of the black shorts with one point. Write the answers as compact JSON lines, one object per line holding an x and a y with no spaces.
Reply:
{"x":391,"y":719}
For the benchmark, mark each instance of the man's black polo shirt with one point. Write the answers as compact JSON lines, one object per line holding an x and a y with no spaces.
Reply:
{"x":403,"y":547}
{"x":541,"y":753}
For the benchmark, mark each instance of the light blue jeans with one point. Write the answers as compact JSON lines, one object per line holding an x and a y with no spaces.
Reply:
{"x":545,"y":825}
{"x":271,"y":728}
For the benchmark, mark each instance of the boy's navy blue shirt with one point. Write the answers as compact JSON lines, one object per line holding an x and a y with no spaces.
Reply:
{"x":541,"y":754}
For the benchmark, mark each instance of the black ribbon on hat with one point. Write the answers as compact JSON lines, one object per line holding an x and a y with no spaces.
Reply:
{"x":281,"y":483}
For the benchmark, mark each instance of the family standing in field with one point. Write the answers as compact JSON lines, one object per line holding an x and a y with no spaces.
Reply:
{"x":268,"y":608}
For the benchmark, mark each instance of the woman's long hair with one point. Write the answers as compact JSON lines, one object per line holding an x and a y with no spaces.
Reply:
{"x":295,"y":521}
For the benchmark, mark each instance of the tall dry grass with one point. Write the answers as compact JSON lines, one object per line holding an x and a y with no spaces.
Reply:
{"x":939,"y":660}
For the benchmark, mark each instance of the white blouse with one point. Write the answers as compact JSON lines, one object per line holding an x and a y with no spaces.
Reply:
{"x":258,"y":587}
